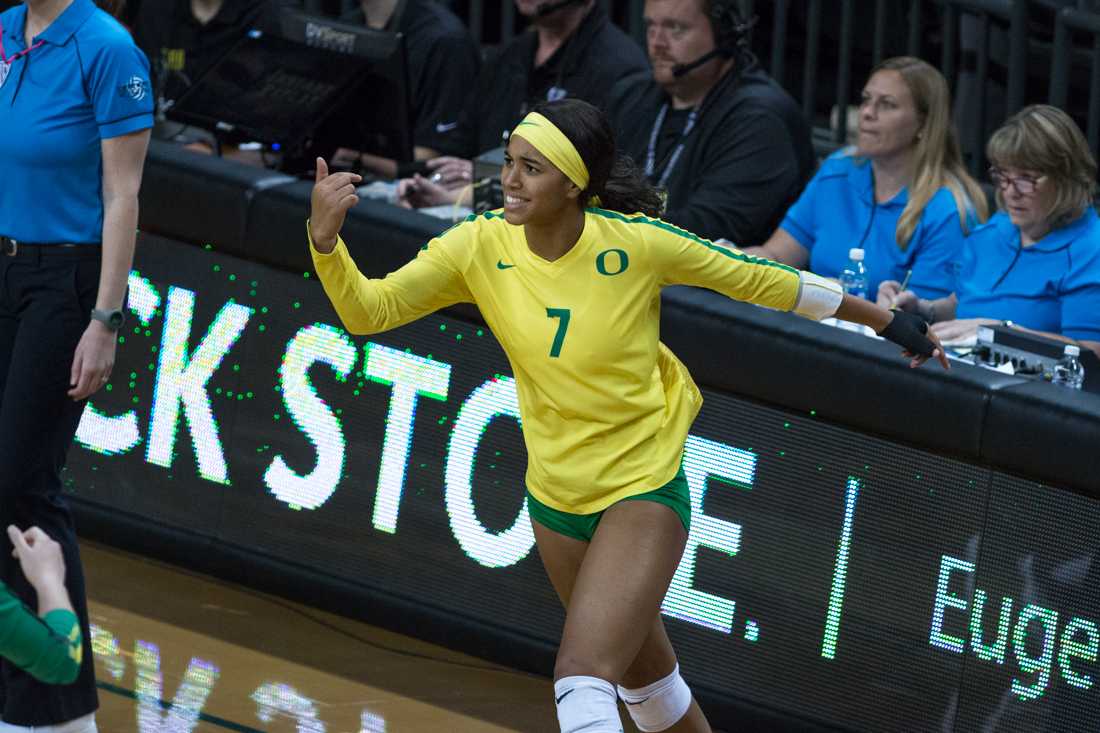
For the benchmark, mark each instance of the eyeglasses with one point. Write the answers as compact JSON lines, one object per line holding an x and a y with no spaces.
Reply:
{"x":1024,"y":185}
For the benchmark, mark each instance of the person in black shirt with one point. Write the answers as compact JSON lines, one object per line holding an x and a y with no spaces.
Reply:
{"x":571,"y":50}
{"x":442,"y":60}
{"x":728,"y":145}
{"x":183,"y":38}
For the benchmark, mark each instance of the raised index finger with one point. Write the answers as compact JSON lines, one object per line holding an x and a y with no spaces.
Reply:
{"x":322,"y":169}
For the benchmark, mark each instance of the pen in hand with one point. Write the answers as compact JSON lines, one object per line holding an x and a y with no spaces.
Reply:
{"x":904,"y":285}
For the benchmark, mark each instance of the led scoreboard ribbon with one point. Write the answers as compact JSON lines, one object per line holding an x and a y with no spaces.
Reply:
{"x":830,"y":575}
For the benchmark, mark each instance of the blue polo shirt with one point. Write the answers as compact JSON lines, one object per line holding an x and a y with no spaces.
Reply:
{"x":85,"y":83}
{"x":1052,"y":285}
{"x":836,"y":212}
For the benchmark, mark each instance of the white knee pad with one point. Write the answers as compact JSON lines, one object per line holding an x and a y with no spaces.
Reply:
{"x":660,"y":705}
{"x":587,"y":705}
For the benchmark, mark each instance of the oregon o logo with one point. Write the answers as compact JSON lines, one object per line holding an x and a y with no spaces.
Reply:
{"x":620,"y":262}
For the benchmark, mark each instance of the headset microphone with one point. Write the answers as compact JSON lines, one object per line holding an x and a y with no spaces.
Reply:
{"x":680,"y":69}
{"x":545,"y":9}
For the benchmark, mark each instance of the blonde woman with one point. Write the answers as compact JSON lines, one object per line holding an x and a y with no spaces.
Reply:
{"x":901,"y":194}
{"x":1036,"y":264}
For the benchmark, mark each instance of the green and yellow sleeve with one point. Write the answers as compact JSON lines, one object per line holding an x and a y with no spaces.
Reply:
{"x":49,"y":648}
{"x":681,"y":258}
{"x":366,"y":305}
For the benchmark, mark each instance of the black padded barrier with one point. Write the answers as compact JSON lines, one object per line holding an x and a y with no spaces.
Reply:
{"x":200,"y":199}
{"x":774,"y":357}
{"x":1046,"y":432}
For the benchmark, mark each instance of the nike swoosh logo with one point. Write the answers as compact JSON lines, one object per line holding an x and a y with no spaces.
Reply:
{"x":634,"y":703}
{"x":445,"y":126}
{"x":502,"y":266}
{"x":557,"y":700}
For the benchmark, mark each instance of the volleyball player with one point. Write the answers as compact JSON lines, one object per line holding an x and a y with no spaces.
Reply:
{"x":568,"y":277}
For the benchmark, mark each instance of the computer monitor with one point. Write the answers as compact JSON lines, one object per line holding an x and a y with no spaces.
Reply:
{"x":312,"y":87}
{"x":377,"y":117}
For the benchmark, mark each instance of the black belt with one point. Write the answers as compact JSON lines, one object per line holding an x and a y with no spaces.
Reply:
{"x":18,"y":248}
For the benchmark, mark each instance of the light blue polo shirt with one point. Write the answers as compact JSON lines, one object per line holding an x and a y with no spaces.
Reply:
{"x":87,"y":82}
{"x":834,"y":214}
{"x":1053,"y":285}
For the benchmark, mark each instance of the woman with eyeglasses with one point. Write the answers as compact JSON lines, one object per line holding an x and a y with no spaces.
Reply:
{"x":901,"y":193}
{"x":1036,"y":264}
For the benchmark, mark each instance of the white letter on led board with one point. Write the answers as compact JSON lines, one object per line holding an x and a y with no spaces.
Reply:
{"x":703,"y":458}
{"x":945,"y":600}
{"x":495,"y":397}
{"x":410,"y":376}
{"x":183,"y":378}
{"x":108,"y":435}
{"x":312,"y":344}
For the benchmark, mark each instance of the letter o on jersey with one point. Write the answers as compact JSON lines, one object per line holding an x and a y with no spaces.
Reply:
{"x":620,"y":262}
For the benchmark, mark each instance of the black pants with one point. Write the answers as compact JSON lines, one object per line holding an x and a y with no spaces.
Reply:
{"x":45,"y":302}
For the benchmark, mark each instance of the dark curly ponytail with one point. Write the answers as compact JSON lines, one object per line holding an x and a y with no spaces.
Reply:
{"x":613,"y":177}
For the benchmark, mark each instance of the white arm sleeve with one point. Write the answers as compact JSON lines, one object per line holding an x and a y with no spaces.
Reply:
{"x":818,"y":297}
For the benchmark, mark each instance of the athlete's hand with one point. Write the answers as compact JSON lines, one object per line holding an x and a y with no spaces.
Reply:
{"x":939,"y":353}
{"x":333,"y":195}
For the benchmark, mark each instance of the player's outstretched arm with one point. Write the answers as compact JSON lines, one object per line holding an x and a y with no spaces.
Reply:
{"x":905,"y":329}
{"x":332,"y":198}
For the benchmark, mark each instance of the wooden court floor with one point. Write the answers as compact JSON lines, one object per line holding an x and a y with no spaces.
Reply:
{"x":177,"y":652}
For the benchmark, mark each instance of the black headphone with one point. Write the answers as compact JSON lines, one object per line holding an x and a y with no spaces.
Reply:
{"x":731,"y":28}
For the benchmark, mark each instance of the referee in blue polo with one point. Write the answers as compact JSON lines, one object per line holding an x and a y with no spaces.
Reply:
{"x":75,"y":113}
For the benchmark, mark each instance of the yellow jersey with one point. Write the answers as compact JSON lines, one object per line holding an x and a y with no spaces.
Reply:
{"x":605,"y":406}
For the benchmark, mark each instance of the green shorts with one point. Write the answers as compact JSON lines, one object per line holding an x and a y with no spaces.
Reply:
{"x":675,"y":495}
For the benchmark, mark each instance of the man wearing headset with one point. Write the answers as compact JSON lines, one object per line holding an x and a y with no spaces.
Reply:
{"x":709,"y":126}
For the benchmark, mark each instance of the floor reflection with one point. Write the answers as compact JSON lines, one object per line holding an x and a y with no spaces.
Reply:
{"x":179,"y":653}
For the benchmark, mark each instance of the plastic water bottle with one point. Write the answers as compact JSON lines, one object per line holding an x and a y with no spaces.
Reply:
{"x":1068,"y":371}
{"x":854,"y":276}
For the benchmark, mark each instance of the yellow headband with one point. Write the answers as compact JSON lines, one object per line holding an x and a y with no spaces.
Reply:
{"x":552,"y":142}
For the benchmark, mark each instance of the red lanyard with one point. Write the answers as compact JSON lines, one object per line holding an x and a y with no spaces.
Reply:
{"x":4,"y":57}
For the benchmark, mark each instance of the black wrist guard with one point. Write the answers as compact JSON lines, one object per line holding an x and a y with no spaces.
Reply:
{"x":908,"y":331}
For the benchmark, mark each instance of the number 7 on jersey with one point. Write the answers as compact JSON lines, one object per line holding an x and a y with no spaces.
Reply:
{"x":563,"y":326}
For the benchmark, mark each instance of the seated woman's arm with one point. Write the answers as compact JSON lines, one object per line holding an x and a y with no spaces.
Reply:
{"x":782,"y":247}
{"x":933,"y":310}
{"x":941,"y":314}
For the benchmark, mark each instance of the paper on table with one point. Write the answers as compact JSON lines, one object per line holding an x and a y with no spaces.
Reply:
{"x":962,"y":342}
